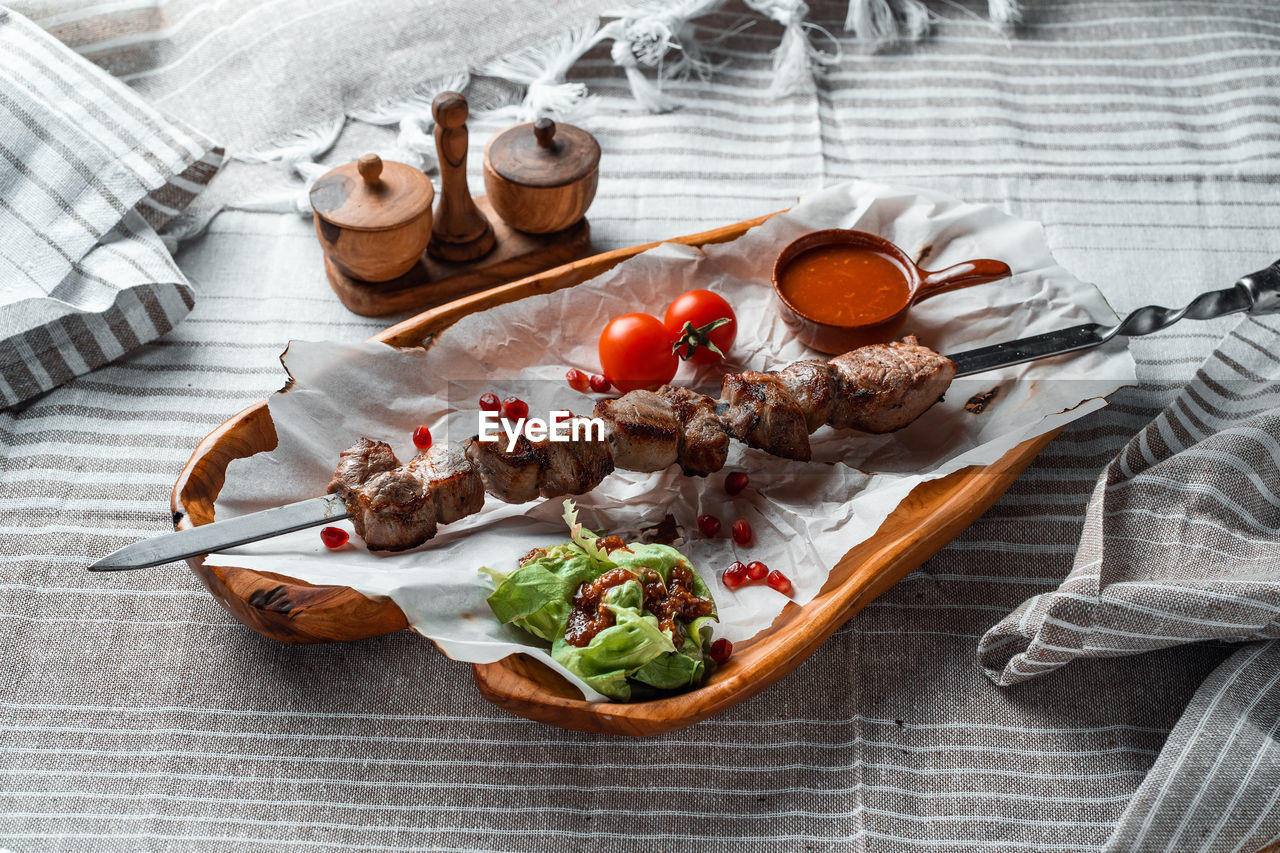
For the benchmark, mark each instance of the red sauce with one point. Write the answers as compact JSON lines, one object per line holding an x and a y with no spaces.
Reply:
{"x":844,"y":285}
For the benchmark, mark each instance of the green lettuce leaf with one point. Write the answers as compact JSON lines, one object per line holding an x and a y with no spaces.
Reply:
{"x":617,"y":651}
{"x":537,"y":596}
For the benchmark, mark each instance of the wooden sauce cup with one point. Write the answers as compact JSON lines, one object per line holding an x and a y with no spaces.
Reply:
{"x":819,"y":327}
{"x":541,"y":177}
{"x":373,"y":218}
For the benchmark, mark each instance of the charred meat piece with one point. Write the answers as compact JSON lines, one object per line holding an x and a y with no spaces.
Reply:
{"x":813,"y":386}
{"x":455,"y":485}
{"x":760,"y":412}
{"x":509,"y":477}
{"x":576,"y":466}
{"x":393,"y":511}
{"x":704,"y":444}
{"x":359,"y":462}
{"x":643,"y":432}
{"x":884,"y":387}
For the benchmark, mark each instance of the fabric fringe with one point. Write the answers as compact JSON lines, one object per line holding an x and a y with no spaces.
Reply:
{"x":542,"y":70}
{"x":652,"y":42}
{"x":415,"y":143}
{"x":795,"y":59}
{"x":642,"y":38}
{"x":883,"y":21}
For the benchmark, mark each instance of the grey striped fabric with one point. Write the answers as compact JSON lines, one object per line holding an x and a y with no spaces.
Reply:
{"x":1181,"y":540}
{"x":87,"y":172}
{"x":136,"y":715}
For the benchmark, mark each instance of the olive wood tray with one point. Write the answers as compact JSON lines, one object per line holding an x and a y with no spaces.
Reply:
{"x":293,"y":611}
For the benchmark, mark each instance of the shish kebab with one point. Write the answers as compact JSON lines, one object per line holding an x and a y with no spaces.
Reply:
{"x":877,"y":389}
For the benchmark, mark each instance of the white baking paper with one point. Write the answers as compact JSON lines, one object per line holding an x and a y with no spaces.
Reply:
{"x":805,"y":515}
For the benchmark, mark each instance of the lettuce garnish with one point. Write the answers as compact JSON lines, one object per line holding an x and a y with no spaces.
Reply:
{"x":538,"y":597}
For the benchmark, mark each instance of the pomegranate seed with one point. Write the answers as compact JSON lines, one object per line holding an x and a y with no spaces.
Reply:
{"x":334,"y":537}
{"x":777,"y":580}
{"x":741,"y":532}
{"x":720,"y":650}
{"x":599,"y":384}
{"x":708,"y":525}
{"x":489,"y":402}
{"x":560,"y":417}
{"x":422,"y":438}
{"x":577,"y":380}
{"x":734,"y":576}
{"x":515,"y":409}
{"x":756,"y":570}
{"x":735,"y":482}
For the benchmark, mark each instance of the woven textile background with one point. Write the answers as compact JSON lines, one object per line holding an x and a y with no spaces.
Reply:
{"x":135,"y":714}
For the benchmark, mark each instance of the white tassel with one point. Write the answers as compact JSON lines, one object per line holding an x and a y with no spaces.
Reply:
{"x":542,"y":70}
{"x":794,"y":59}
{"x":1004,"y":11}
{"x":644,"y":35}
{"x":879,"y":21}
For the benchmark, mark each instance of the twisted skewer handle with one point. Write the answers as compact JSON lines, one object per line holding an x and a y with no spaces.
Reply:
{"x":1257,"y":293}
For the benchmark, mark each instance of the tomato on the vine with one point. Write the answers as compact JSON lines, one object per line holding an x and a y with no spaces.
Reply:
{"x":635,"y":352}
{"x":702,"y":325}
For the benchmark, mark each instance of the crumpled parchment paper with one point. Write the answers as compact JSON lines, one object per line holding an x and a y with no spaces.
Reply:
{"x":805,"y":516}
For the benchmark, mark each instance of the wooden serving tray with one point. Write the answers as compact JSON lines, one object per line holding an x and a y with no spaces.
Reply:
{"x":293,"y":611}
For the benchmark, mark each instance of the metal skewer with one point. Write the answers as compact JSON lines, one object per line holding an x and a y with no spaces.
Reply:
{"x":1258,"y":293}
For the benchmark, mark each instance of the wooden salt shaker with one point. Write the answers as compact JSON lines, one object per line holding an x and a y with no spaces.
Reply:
{"x":373,"y":218}
{"x":460,"y":233}
{"x":541,"y":177}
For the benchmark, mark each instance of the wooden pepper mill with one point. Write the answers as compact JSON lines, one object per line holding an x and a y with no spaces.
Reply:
{"x":460,"y":232}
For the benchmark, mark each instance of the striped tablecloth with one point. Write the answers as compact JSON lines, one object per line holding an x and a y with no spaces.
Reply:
{"x":136,"y":715}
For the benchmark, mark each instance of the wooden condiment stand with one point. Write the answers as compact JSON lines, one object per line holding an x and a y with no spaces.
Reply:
{"x":366,"y":212}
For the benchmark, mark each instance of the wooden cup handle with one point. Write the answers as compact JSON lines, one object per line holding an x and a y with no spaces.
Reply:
{"x":978,"y":271}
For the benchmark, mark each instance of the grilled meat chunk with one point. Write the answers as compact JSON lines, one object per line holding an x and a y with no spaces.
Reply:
{"x":574,"y":467}
{"x":393,"y":511}
{"x":455,"y":485}
{"x":813,"y":386}
{"x":884,"y":387}
{"x":643,"y":432}
{"x":704,"y":444}
{"x":509,"y":477}
{"x":760,"y":412}
{"x":358,"y":463}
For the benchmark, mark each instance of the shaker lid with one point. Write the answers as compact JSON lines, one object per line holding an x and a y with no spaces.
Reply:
{"x":543,"y":154}
{"x":371,"y":194}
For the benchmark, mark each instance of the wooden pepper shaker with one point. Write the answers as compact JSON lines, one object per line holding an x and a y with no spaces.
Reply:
{"x":460,"y":231}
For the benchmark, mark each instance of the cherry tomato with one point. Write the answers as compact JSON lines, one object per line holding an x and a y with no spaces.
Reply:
{"x":694,"y":318}
{"x":635,"y":352}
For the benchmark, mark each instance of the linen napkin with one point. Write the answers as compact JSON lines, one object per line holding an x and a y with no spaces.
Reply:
{"x":88,"y":171}
{"x":1181,"y":543}
{"x":1181,"y":540}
